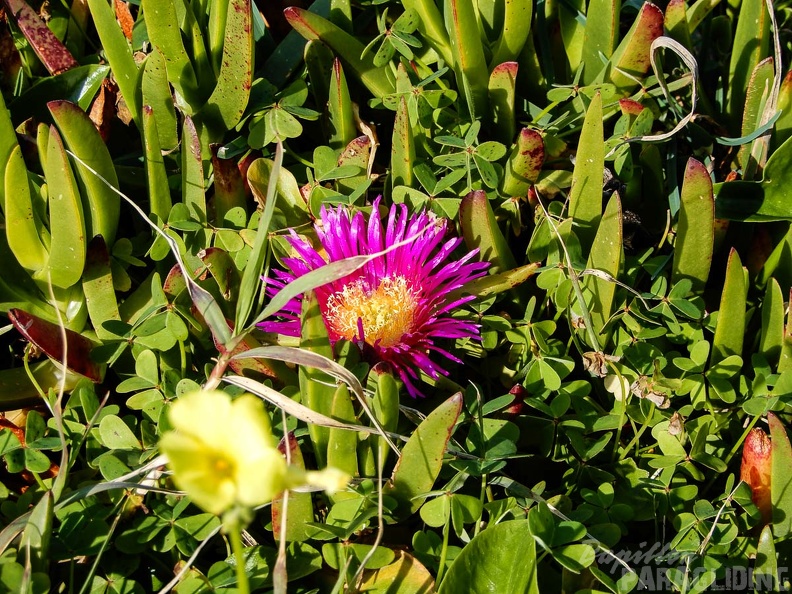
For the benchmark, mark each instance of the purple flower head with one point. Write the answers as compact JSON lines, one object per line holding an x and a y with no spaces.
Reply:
{"x":397,"y":304}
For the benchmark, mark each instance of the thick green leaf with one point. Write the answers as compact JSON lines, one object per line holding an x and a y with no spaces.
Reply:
{"x":431,"y":26}
{"x":290,"y":200}
{"x":97,"y":284}
{"x":766,"y":561}
{"x":228,"y":101}
{"x":251,"y":277}
{"x":501,"y":559}
{"x":750,"y":45}
{"x":695,"y":234}
{"x":319,"y":61}
{"x":780,"y":478}
{"x":193,"y":193}
{"x":772,"y":337}
{"x":22,"y":228}
{"x":194,"y":32}
{"x":480,"y":230}
{"x":288,"y":55}
{"x":8,"y":142}
{"x":630,"y":61}
{"x":157,"y":94}
{"x":341,"y":14}
{"x":759,"y":88}
{"x":156,"y":177}
{"x":342,"y":444}
{"x":38,"y":532}
{"x":572,"y":30}
{"x":422,"y":456}
{"x":524,"y":164}
{"x":785,"y":361}
{"x":602,"y":31}
{"x":403,"y":148}
{"x":119,"y":55}
{"x":348,"y":48}
{"x":386,"y":405}
{"x":78,"y":85}
{"x":501,"y":100}
{"x":101,"y":205}
{"x":676,"y":23}
{"x":517,"y":16}
{"x":339,"y":108}
{"x":316,"y":387}
{"x":762,"y":201}
{"x":469,"y":63}
{"x":495,"y":284}
{"x":730,"y":329}
{"x":585,"y":197}
{"x":162,"y":24}
{"x":299,"y":510}
{"x":67,"y":249}
{"x":605,"y":255}
{"x":783,"y":126}
{"x":17,"y":391}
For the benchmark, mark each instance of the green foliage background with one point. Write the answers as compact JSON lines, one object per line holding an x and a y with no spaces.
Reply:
{"x":623,"y":168}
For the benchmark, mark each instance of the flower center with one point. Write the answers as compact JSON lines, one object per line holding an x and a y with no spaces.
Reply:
{"x":386,"y":313}
{"x":222,"y":467}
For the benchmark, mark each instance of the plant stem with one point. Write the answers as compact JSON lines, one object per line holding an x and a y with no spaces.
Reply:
{"x":235,"y":536}
{"x":443,"y":552}
{"x":217,"y":372}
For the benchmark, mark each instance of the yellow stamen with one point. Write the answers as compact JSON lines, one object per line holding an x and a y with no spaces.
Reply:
{"x":387,"y":312}
{"x":223,"y":468}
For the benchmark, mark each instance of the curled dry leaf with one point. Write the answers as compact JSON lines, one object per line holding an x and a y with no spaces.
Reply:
{"x":644,"y":387}
{"x":596,"y":362}
{"x":676,"y":424}
{"x":103,"y":108}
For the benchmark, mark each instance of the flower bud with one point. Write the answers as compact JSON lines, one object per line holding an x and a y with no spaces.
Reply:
{"x":756,"y":470}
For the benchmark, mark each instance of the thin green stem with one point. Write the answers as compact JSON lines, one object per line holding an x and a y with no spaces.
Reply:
{"x":638,"y":435}
{"x":624,"y":400}
{"x":235,"y":536}
{"x":740,"y":441}
{"x":443,"y":553}
{"x":737,"y":445}
{"x":573,"y":277}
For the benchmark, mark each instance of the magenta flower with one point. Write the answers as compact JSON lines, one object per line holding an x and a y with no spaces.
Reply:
{"x":398,"y":304}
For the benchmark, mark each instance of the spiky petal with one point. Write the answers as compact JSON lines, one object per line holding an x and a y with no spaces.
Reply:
{"x":398,"y":304}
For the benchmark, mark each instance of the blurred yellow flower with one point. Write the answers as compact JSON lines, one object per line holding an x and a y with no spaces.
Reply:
{"x":223,"y":454}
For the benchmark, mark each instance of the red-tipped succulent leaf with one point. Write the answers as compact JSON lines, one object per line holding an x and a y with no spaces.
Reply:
{"x":756,"y":470}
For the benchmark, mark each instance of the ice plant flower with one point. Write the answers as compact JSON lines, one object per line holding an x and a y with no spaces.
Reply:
{"x":224,"y":456}
{"x":398,"y":304}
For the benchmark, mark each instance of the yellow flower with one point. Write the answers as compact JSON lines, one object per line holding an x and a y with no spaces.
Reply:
{"x":223,"y":454}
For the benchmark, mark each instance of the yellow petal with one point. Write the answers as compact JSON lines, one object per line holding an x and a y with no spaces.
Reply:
{"x":204,"y":414}
{"x":260,"y":479}
{"x":249,"y":429}
{"x":330,"y":479}
{"x":203,"y":473}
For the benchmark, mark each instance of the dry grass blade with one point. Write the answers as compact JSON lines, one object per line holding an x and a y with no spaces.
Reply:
{"x":689,"y":61}
{"x":330,"y":367}
{"x":296,"y":409}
